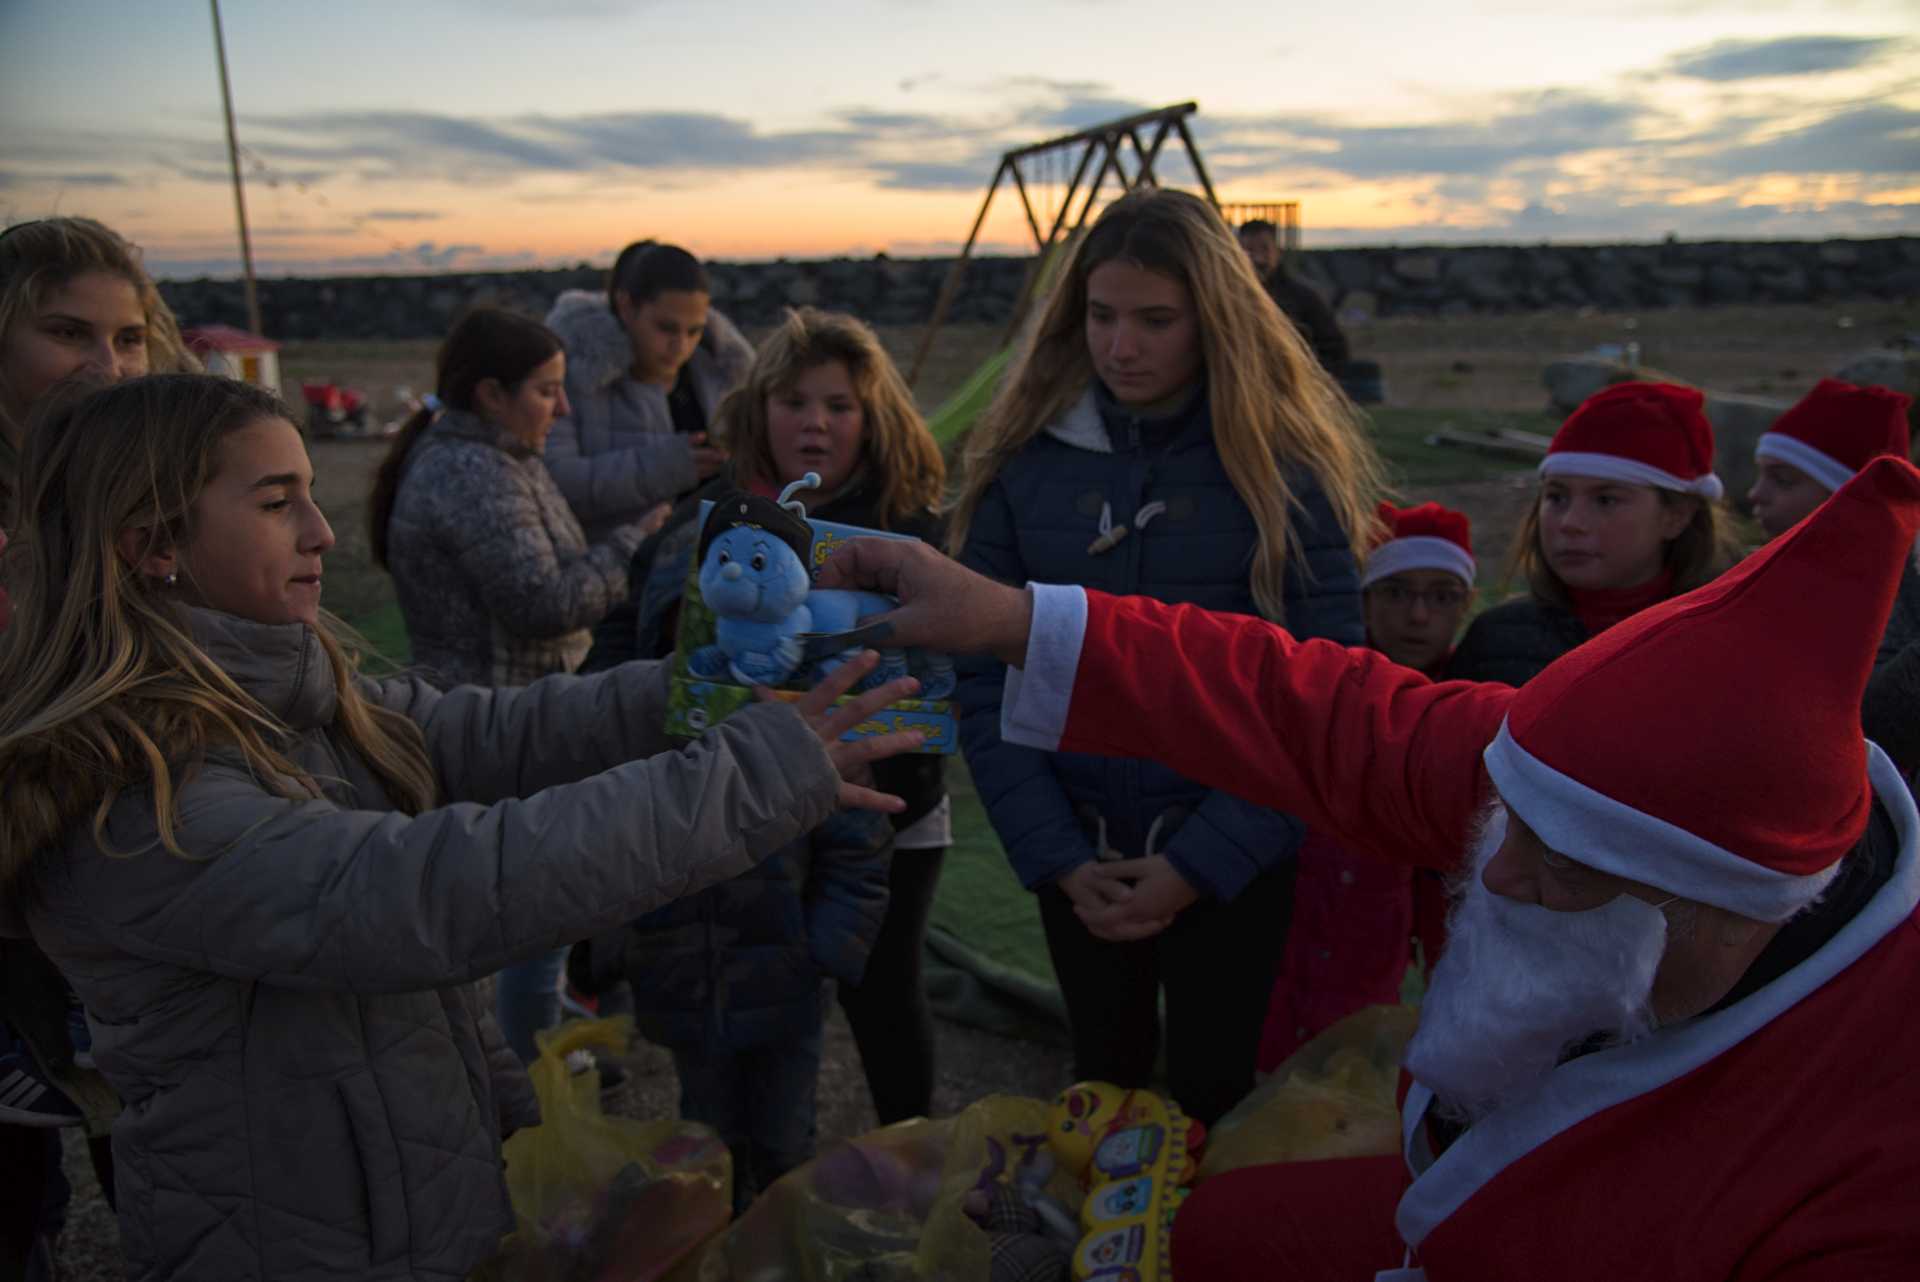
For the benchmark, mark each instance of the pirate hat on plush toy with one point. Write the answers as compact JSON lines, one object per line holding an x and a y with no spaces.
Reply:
{"x":1642,"y":433}
{"x":737,"y":508}
{"x":1837,"y":429}
{"x":1427,"y":537}
{"x":1662,"y":750}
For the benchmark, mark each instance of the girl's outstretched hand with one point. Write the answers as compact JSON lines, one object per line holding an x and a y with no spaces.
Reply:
{"x":829,"y":722}
{"x":943,"y":605}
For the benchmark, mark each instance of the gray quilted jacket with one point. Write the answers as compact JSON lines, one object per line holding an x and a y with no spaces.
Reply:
{"x":306,"y":1084}
{"x":617,"y":456}
{"x":498,"y":585}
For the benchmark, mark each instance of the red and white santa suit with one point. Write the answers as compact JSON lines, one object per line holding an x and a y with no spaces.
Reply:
{"x":1710,"y":747}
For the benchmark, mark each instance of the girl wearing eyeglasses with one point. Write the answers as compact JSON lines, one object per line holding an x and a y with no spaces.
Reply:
{"x":1355,"y":915}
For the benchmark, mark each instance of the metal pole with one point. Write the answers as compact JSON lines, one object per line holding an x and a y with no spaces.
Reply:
{"x":1020,"y":185}
{"x":233,"y":160}
{"x":952,"y":283}
{"x":1200,"y":170}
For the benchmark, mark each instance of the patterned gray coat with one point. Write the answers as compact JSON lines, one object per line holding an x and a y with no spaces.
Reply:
{"x":288,"y":1013}
{"x":498,"y":584}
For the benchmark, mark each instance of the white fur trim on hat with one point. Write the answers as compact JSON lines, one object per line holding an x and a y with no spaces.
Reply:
{"x":1791,"y":450}
{"x":1593,"y":829}
{"x":1612,"y":467}
{"x":1417,"y":552}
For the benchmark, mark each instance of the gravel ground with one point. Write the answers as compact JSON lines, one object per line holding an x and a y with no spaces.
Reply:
{"x":972,"y":1064}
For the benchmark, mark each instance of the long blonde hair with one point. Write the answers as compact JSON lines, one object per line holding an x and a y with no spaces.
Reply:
{"x":896,"y":447}
{"x":1273,"y":406}
{"x":102,"y":687}
{"x":40,"y":257}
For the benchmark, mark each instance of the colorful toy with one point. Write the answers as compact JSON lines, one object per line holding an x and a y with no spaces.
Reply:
{"x":770,"y":622}
{"x":1134,"y":1152}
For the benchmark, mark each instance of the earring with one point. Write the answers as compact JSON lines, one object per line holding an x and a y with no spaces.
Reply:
{"x":172,"y":579}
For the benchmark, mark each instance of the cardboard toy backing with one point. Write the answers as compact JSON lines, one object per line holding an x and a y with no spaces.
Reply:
{"x":695,"y":703}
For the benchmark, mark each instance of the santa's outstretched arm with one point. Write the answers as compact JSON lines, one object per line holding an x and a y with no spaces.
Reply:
{"x":1369,"y":752}
{"x":1357,"y":747}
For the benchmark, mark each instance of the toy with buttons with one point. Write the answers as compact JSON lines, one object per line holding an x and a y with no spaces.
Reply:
{"x":1134,"y":1153}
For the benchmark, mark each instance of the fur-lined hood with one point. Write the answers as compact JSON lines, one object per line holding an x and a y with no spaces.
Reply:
{"x":598,"y":353}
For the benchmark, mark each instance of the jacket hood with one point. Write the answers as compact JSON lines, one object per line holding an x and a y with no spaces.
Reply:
{"x":599,"y":355}
{"x":1084,"y":425}
{"x":282,"y":665}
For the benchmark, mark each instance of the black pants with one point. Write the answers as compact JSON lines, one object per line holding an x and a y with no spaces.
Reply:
{"x":1216,"y":963}
{"x":891,"y":1017}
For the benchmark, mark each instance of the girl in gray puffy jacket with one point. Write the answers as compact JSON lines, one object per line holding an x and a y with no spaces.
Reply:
{"x":648,"y":364}
{"x":272,"y":880}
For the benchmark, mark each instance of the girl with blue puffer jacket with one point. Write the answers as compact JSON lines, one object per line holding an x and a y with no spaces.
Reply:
{"x":1167,"y":433}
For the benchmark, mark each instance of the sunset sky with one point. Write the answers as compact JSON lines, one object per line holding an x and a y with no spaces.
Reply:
{"x":439,"y":134}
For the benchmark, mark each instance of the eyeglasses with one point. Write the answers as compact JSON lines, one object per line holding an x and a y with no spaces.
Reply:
{"x":1443,"y":596}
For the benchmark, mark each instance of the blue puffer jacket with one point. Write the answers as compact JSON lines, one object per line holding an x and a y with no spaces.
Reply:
{"x":743,"y":964}
{"x":1036,"y":522}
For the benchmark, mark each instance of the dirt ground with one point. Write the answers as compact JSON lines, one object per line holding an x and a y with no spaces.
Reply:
{"x":1453,"y":364}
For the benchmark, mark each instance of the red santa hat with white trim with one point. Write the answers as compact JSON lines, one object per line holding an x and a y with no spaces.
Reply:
{"x":1662,"y":750}
{"x":1837,"y":429}
{"x":1427,"y":537}
{"x":1653,"y":434}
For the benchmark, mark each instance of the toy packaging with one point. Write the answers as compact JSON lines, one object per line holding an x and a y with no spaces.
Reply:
{"x":751,"y":616}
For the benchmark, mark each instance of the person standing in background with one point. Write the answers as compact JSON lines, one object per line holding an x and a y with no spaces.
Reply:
{"x":1298,"y":301}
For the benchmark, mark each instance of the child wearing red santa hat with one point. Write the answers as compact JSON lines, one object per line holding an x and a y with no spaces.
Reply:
{"x":1628,"y":515}
{"x":1816,"y":447}
{"x":1812,"y":450}
{"x":1354,"y":914}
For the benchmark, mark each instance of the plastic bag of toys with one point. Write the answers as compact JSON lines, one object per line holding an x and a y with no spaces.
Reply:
{"x":898,"y":1203}
{"x":1334,"y":1097}
{"x":600,"y":1198}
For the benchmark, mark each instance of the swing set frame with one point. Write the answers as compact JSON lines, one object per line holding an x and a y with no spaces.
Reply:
{"x":1103,"y":150}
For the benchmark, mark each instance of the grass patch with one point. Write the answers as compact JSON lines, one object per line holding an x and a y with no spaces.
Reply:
{"x":385,"y":632}
{"x":979,"y":899}
{"x":1401,"y":436}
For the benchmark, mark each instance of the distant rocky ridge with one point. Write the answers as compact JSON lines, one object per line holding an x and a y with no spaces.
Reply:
{"x":1437,"y":281}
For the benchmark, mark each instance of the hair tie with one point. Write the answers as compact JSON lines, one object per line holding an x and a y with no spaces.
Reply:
{"x":431,"y":403}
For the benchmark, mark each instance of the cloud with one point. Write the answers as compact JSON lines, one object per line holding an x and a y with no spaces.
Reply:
{"x":1874,"y":139}
{"x":402,"y":215}
{"x":1083,"y":111}
{"x":1785,"y":56}
{"x":1603,"y":219}
{"x":1547,"y":124}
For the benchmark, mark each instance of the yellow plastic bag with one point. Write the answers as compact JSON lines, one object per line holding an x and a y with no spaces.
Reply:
{"x":1334,"y":1097}
{"x":600,"y":1198}
{"x":888,"y":1204}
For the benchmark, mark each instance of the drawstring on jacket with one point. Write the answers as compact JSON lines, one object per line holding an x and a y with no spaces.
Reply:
{"x":1106,"y":854}
{"x":1111,"y":534}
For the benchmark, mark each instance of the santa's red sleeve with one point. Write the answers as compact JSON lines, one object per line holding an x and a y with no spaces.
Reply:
{"x":1374,"y":754}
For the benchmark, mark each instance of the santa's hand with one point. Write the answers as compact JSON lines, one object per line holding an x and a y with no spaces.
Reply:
{"x":829,"y":723}
{"x":943,"y":605}
{"x":1160,"y":894}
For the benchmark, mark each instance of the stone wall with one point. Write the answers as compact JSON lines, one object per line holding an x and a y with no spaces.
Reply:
{"x":888,"y":291}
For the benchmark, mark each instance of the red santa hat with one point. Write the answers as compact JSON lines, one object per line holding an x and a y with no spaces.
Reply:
{"x":1642,"y":433}
{"x":1837,"y":429}
{"x":1662,"y":750}
{"x":1427,"y":537}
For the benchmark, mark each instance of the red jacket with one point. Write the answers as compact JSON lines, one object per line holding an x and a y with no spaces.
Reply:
{"x":1777,"y":1138}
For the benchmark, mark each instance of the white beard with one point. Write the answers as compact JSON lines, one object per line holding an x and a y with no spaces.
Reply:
{"x":1519,"y":985}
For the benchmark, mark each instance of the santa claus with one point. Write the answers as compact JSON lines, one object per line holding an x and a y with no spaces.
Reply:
{"x":1674,"y":1032}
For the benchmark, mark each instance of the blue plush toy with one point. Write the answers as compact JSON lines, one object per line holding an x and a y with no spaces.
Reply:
{"x":769,"y":619}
